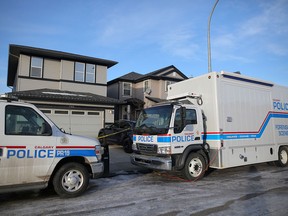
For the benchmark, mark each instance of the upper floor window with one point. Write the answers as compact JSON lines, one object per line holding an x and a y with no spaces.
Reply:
{"x":79,"y":71}
{"x":146,"y":86}
{"x":36,"y":67}
{"x":84,"y":72}
{"x":90,"y":73}
{"x":127,"y":89}
{"x":167,"y":83}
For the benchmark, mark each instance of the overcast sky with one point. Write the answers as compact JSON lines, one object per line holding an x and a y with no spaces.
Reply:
{"x":250,"y":36}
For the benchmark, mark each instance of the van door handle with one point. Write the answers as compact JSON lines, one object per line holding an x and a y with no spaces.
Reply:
{"x":197,"y":138}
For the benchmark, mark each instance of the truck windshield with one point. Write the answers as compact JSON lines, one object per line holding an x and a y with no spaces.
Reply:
{"x":154,"y":120}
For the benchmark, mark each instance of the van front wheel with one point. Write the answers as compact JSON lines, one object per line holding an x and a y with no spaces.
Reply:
{"x":71,"y":180}
{"x":195,"y":167}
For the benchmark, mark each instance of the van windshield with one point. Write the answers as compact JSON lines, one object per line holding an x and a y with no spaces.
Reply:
{"x":154,"y":120}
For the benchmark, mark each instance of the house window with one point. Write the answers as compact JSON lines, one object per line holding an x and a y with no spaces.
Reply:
{"x":84,"y":72}
{"x":90,"y":73}
{"x":127,"y":89}
{"x":146,"y":86}
{"x":36,"y":67}
{"x":79,"y":71}
{"x":167,"y":83}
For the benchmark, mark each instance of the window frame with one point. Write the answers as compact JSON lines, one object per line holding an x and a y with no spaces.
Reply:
{"x":94,"y":73}
{"x":146,"y":87}
{"x":166,"y":84}
{"x":76,"y":71}
{"x":36,"y":66}
{"x":130,"y":89}
{"x":85,"y":74}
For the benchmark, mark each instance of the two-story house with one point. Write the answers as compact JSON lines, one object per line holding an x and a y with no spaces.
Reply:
{"x":141,"y":91}
{"x":71,"y":89}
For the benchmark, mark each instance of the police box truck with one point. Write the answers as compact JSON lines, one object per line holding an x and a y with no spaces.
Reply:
{"x":216,"y":120}
{"x":35,"y":153}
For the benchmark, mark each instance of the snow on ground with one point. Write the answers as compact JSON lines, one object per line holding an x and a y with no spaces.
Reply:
{"x":250,"y":190}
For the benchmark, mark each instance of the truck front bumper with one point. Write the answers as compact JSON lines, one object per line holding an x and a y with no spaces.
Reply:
{"x":152,"y":162}
{"x":97,"y":169}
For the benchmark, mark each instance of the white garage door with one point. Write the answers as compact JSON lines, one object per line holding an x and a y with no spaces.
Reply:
{"x":80,"y":122}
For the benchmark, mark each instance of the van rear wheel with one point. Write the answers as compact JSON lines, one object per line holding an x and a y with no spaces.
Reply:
{"x":71,"y":180}
{"x":282,"y":156}
{"x":195,"y":167}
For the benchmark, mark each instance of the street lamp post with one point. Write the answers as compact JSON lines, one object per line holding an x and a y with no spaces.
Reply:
{"x":208,"y":38}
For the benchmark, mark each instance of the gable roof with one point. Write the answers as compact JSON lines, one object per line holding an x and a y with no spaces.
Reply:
{"x":157,"y":74}
{"x":16,"y":50}
{"x":64,"y":96}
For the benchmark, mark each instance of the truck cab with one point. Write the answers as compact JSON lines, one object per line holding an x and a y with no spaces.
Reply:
{"x":165,"y":135}
{"x":34,"y":152}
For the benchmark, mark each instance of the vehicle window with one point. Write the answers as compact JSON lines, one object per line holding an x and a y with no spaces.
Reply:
{"x":115,"y":125}
{"x":21,"y":120}
{"x":124,"y":125}
{"x":191,"y":118}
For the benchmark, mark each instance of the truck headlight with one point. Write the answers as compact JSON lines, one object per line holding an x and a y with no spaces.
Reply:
{"x":134,"y":147}
{"x":164,"y":150}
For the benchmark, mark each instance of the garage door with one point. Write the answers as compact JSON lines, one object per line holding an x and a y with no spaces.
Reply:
{"x":79,"y":122}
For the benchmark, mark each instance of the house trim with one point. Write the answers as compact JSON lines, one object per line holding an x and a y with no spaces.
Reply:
{"x":62,"y":80}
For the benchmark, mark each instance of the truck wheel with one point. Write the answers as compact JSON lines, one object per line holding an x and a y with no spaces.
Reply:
{"x":127,"y":145}
{"x":195,"y":167}
{"x":71,"y":180}
{"x":282,"y":156}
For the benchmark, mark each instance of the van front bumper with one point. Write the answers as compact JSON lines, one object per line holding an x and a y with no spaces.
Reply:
{"x":152,"y":162}
{"x":97,"y":169}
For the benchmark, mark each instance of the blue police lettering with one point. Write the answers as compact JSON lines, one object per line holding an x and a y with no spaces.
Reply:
{"x":187,"y":138}
{"x":280,"y":106}
{"x":41,"y":153}
{"x":145,"y":138}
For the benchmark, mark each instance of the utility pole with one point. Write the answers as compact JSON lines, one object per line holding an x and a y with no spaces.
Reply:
{"x":208,"y":37}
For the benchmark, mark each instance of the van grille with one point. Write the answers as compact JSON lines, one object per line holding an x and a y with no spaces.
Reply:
{"x":147,"y":148}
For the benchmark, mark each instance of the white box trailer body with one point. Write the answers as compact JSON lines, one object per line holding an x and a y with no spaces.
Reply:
{"x":217,"y":120}
{"x":246,"y":118}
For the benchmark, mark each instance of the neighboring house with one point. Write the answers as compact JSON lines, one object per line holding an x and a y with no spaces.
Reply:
{"x":141,"y":91}
{"x":71,"y":89}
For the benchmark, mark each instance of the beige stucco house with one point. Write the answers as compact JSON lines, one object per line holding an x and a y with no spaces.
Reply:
{"x":141,"y":91}
{"x":69,"y":88}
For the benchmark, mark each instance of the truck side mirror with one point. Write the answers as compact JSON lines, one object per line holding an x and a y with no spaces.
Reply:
{"x":183,"y":112}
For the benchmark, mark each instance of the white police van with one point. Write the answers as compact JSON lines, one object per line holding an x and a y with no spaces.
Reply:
{"x":35,"y":153}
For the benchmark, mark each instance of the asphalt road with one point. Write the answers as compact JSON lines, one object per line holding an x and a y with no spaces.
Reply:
{"x":250,"y":190}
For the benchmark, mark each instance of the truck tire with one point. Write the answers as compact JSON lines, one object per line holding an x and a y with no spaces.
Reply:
{"x":282,"y":156}
{"x":71,"y":180}
{"x":127,"y":145}
{"x":195,"y":167}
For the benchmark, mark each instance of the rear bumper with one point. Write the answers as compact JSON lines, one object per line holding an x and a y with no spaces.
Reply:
{"x":152,"y":162}
{"x":97,"y":169}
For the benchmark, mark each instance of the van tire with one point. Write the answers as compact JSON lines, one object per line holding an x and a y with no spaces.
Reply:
{"x":71,"y":180}
{"x":195,"y":167}
{"x":282,"y":156}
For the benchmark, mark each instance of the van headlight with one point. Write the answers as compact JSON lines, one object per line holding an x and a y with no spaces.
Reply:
{"x":164,"y":150}
{"x":99,"y":151}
